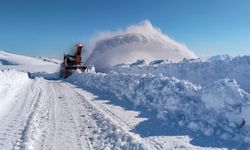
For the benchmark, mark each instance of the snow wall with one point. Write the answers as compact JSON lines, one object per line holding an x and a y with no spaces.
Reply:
{"x":220,"y":110}
{"x":196,"y":71}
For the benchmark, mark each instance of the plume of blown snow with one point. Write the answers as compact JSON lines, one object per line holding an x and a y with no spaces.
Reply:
{"x":141,"y":41}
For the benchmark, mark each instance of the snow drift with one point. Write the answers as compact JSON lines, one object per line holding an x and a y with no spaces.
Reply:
{"x":11,"y":82}
{"x":219,"y":110}
{"x":142,"y":41}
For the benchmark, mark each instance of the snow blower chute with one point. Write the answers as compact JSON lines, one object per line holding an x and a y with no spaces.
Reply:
{"x":72,"y":62}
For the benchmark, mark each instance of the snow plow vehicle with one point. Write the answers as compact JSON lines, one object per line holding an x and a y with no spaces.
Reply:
{"x":71,"y":63}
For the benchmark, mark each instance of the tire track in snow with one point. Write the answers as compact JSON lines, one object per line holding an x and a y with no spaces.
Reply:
{"x":37,"y":125}
{"x":76,"y":114}
{"x":39,"y":120}
{"x":23,"y":138}
{"x":126,"y":125}
{"x":119,"y":121}
{"x":52,"y":125}
{"x":106,"y":131}
{"x":64,"y":117}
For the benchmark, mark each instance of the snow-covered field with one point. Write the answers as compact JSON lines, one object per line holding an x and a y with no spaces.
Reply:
{"x":194,"y":104}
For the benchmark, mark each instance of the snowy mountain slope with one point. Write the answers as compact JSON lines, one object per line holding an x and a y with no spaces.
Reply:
{"x":141,"y":41}
{"x":14,"y":59}
{"x":28,"y":64}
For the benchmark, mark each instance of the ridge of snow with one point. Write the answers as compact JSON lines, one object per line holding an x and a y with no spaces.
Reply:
{"x":197,"y":71}
{"x":179,"y":102}
{"x":11,"y":82}
{"x":219,"y":57}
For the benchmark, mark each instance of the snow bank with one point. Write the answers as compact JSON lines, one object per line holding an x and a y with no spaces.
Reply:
{"x":142,"y":41}
{"x":11,"y":82}
{"x":219,"y":110}
{"x":197,"y":71}
{"x":220,"y":57}
{"x":45,"y":75}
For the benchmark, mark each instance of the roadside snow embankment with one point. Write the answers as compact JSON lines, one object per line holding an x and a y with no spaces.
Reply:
{"x":45,"y":75}
{"x":196,"y":71}
{"x":221,"y":109}
{"x":11,"y":82}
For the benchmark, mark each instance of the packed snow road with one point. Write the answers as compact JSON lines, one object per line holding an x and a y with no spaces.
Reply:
{"x":56,"y":115}
{"x":42,"y":118}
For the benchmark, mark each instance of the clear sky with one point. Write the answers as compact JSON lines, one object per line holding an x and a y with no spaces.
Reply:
{"x":49,"y":27}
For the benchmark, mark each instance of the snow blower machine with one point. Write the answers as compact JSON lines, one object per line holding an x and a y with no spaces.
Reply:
{"x":72,"y":63}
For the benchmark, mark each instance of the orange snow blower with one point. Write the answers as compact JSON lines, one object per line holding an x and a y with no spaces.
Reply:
{"x":72,"y":62}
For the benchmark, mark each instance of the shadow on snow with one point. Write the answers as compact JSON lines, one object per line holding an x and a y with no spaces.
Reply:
{"x":156,"y":127}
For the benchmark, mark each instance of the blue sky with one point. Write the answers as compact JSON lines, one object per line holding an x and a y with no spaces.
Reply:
{"x":50,"y":27}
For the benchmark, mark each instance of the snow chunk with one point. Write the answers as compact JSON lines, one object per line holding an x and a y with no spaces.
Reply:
{"x":223,"y":93}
